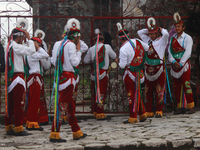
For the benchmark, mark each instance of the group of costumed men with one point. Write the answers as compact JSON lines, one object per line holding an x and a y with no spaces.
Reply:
{"x":140,"y":60}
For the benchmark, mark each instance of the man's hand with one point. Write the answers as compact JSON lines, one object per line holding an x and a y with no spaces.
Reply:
{"x":177,"y":65}
{"x":78,"y":45}
{"x":117,"y":60}
{"x":27,"y":34}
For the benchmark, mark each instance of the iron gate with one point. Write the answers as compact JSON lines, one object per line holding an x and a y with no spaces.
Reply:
{"x":116,"y":101}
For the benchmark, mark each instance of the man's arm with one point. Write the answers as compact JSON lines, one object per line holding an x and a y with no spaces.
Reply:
{"x":143,"y":35}
{"x":188,"y":50}
{"x":25,"y":50}
{"x":40,"y":54}
{"x":87,"y":59}
{"x":112,"y":54}
{"x":84,"y":46}
{"x":74,"y":56}
{"x":122,"y":59}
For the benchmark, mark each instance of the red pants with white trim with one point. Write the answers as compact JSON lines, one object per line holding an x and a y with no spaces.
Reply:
{"x":33,"y":99}
{"x":156,"y":86}
{"x":67,"y":105}
{"x":15,"y":105}
{"x":183,"y":82}
{"x":43,"y":114}
{"x":103,"y":93}
{"x":130,"y":89}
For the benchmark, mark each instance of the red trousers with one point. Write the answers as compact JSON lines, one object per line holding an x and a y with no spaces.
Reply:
{"x":33,"y":99}
{"x":103,"y":93}
{"x":130,"y":89}
{"x":183,"y":83}
{"x":15,"y":105}
{"x":67,"y":106}
{"x":158,"y":87}
{"x":43,"y":114}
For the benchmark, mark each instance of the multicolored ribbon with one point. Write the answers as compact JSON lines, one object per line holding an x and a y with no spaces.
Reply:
{"x":182,"y":98}
{"x":97,"y":86}
{"x":57,"y":72}
{"x":137,"y":96}
{"x":170,"y":94}
{"x":6,"y":78}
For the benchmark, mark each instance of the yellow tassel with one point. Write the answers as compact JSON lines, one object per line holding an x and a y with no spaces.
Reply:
{"x":77,"y":134}
{"x":19,"y":129}
{"x":100,"y":116}
{"x":159,"y":113}
{"x":33,"y":125}
{"x":9,"y":127}
{"x":149,"y":114}
{"x":190,"y":105}
{"x":27,"y":122}
{"x":65,"y":118}
{"x":143,"y":116}
{"x":95,"y":113}
{"x":132,"y":120}
{"x":54,"y":135}
{"x":178,"y":106}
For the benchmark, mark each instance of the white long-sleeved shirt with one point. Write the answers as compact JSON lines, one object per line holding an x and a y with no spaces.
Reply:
{"x":33,"y":60}
{"x":83,"y":46}
{"x":72,"y":58}
{"x":127,"y":53}
{"x":19,"y":52}
{"x":159,"y":44}
{"x":186,"y":42}
{"x":89,"y":57}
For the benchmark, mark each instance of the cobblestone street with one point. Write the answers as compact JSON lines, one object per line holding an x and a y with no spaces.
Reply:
{"x":170,"y":132}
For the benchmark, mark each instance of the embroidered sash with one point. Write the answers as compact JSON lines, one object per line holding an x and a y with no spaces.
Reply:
{"x":137,"y":63}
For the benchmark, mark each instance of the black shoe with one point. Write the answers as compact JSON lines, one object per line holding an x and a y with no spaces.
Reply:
{"x":126,"y":122}
{"x":84,"y":135}
{"x":180,"y":111}
{"x":106,"y":118}
{"x":44,"y":123}
{"x":57,"y":140}
{"x":31,"y":129}
{"x":23,"y":133}
{"x":158,"y":116}
{"x":191,"y":111}
{"x":143,"y":120}
{"x":11,"y":132}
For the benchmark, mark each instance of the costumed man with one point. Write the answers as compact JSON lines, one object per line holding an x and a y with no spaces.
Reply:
{"x":154,"y":66}
{"x":34,"y":85}
{"x":14,"y":78}
{"x":180,"y":49}
{"x":84,"y":48}
{"x":102,"y":52}
{"x":46,"y":65}
{"x":131,"y":60}
{"x":67,"y":54}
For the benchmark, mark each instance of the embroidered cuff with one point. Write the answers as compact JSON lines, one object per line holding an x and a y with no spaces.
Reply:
{"x":173,"y":61}
{"x":180,"y":64}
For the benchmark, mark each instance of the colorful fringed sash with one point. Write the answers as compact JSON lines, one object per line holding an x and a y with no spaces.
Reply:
{"x":57,"y":73}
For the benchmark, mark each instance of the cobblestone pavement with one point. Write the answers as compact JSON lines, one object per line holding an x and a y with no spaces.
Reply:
{"x":169,"y":132}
